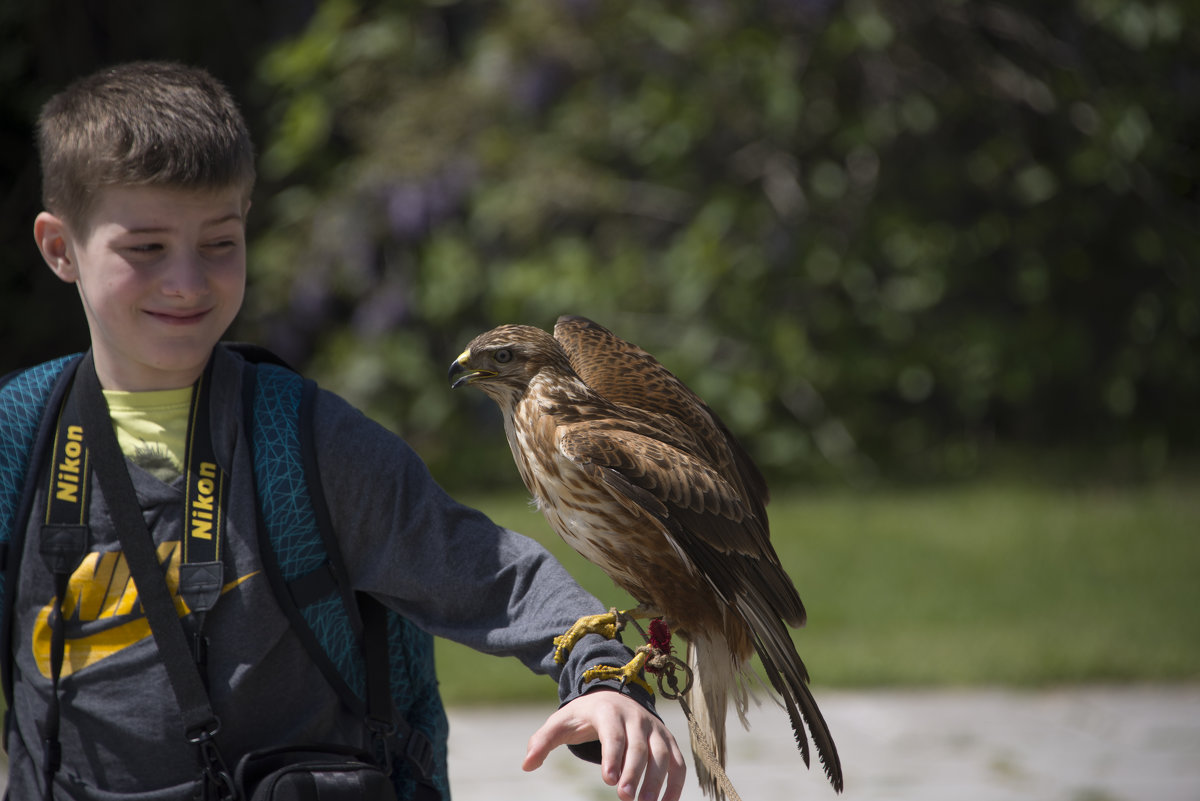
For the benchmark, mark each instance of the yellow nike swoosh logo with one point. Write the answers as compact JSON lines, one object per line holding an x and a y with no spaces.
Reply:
{"x":103,"y":613}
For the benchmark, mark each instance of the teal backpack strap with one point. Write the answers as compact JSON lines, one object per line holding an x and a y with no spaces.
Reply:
{"x":294,"y":553}
{"x":303,"y":563}
{"x":24,"y":397}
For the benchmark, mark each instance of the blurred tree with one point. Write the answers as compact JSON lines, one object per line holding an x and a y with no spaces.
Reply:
{"x":875,"y":235}
{"x":878,"y":236}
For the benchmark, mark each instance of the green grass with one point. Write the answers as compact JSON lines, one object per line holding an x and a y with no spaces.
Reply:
{"x":992,"y":583}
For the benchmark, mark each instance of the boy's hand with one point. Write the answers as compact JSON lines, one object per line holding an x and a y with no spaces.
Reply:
{"x":634,"y":743}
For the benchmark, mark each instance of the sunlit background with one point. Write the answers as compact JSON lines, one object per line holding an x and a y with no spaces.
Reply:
{"x":935,"y":263}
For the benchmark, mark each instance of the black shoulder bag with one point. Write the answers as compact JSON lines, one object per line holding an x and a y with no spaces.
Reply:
{"x":329,"y":773}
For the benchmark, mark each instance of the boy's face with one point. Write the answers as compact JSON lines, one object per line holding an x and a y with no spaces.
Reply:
{"x":161,"y":273}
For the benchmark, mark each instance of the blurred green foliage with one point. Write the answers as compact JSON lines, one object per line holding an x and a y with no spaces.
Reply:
{"x":880,"y":237}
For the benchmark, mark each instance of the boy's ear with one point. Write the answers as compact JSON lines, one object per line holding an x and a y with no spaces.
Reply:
{"x":54,"y":241}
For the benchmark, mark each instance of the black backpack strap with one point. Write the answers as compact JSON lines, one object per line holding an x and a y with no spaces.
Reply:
{"x":394,"y":735}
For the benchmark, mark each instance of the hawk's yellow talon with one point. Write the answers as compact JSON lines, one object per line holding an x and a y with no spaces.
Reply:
{"x":606,"y":625}
{"x":629,"y":673}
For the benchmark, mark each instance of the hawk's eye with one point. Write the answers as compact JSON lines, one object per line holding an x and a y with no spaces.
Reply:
{"x":502,"y":356}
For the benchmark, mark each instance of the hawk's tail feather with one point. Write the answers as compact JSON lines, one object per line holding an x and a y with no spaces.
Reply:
{"x":716,"y":678}
{"x":789,"y":677}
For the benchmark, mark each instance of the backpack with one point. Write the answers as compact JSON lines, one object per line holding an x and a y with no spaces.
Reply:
{"x":296,"y":540}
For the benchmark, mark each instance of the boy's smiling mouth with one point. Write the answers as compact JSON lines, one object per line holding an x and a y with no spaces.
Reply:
{"x":179,"y":316}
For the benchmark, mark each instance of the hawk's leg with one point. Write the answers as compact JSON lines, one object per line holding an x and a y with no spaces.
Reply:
{"x":651,"y":656}
{"x":655,"y":657}
{"x":629,"y":672}
{"x":607,"y":625}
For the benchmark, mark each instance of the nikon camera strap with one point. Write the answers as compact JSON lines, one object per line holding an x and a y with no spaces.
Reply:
{"x":201,"y":574}
{"x":85,"y":439}
{"x":62,"y":546}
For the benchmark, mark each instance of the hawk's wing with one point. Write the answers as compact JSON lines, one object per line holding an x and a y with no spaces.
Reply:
{"x":627,"y":375}
{"x":704,"y":515}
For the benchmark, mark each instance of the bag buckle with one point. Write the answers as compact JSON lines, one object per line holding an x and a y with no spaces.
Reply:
{"x":204,"y":732}
{"x":381,"y":732}
{"x":418,"y":750}
{"x":216,"y":782}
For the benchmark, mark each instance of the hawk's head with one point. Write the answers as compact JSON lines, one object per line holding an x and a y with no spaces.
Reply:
{"x":503,"y":361}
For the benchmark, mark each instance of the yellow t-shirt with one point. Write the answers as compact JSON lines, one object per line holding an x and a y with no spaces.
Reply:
{"x":152,"y":428}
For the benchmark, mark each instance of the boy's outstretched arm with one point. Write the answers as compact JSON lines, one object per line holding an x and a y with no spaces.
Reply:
{"x":636,"y":746}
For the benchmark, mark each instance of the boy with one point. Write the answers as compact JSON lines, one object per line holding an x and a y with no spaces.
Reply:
{"x":147,"y":172}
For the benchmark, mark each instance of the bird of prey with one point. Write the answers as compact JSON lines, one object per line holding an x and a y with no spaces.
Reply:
{"x":642,"y":478}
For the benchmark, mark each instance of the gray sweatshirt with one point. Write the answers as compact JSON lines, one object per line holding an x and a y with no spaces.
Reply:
{"x":444,"y":566}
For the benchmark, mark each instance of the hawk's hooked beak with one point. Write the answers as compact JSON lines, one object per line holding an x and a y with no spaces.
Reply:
{"x":461,"y":375}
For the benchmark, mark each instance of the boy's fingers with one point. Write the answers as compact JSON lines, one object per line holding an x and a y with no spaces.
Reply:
{"x":674,"y":770}
{"x":633,"y":748}
{"x":616,"y":763}
{"x":662,"y":770}
{"x":655,"y":774}
{"x":561,"y":728}
{"x":539,"y":746}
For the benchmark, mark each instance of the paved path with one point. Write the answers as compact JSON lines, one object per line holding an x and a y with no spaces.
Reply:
{"x":1093,"y":744}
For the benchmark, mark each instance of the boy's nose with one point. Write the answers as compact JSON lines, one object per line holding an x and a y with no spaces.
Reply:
{"x":184,"y":277}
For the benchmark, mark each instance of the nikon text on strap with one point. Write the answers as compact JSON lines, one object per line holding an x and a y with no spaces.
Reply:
{"x":201,"y":574}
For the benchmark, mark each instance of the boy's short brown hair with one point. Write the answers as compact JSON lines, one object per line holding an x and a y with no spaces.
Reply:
{"x":137,"y":124}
